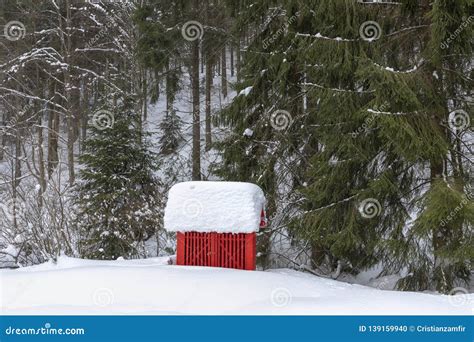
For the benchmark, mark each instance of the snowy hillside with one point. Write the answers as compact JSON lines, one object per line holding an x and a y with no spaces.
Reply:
{"x":151,"y":286}
{"x":349,"y":121}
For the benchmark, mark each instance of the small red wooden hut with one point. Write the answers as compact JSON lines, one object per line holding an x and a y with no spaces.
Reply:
{"x":216,"y":223}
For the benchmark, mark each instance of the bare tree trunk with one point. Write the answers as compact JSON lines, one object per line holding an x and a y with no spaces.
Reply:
{"x":232,"y":59}
{"x":238,"y":58}
{"x":84,"y":114}
{"x":3,"y":138}
{"x":17,"y":175}
{"x":196,"y":154}
{"x":145,"y":94}
{"x":68,"y":89}
{"x":42,"y":175}
{"x":209,"y":80}
{"x":224,"y":73}
{"x":53,"y":128}
{"x":169,"y":91}
{"x":202,"y":61}
{"x":76,"y":109}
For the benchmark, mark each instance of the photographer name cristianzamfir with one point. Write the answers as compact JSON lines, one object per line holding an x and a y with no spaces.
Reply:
{"x":435,"y":328}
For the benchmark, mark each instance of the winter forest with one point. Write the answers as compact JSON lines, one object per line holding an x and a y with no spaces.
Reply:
{"x":353,"y":116}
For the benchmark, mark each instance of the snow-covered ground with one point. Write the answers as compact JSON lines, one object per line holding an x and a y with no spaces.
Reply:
{"x":151,"y":286}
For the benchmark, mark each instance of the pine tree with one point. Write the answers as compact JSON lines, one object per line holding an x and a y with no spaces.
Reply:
{"x":261,"y":146}
{"x":118,"y":199}
{"x":171,"y":136}
{"x":438,"y":250}
{"x":372,"y":144}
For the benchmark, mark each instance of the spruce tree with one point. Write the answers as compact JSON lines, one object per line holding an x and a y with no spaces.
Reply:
{"x":378,"y":150}
{"x":118,"y":199}
{"x":432,"y":135}
{"x":261,"y":148}
{"x":171,"y":136}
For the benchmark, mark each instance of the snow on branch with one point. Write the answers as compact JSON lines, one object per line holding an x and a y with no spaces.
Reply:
{"x":31,"y":97}
{"x":97,"y":76}
{"x":378,"y":2}
{"x":330,"y":205}
{"x":41,"y":54}
{"x":378,"y":112}
{"x":98,"y":49}
{"x":320,"y":36}
{"x":336,"y":89}
{"x":403,"y":30}
{"x":413,"y":69}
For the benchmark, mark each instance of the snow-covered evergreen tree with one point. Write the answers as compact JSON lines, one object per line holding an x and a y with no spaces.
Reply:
{"x":357,"y":101}
{"x":171,"y":135}
{"x":118,"y":198}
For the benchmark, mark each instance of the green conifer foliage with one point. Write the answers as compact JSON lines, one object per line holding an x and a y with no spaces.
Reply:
{"x":378,"y":150}
{"x":117,"y":196}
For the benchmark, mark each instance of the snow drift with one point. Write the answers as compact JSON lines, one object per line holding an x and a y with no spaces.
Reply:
{"x":151,"y":286}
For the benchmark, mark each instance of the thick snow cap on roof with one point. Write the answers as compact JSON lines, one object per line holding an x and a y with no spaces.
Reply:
{"x":222,"y":207}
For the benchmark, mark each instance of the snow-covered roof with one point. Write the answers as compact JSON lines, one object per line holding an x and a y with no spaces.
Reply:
{"x":223,"y":207}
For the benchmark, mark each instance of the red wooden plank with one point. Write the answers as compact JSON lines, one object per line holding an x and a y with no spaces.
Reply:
{"x":217,"y":250}
{"x":250,"y":251}
{"x":180,"y":249}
